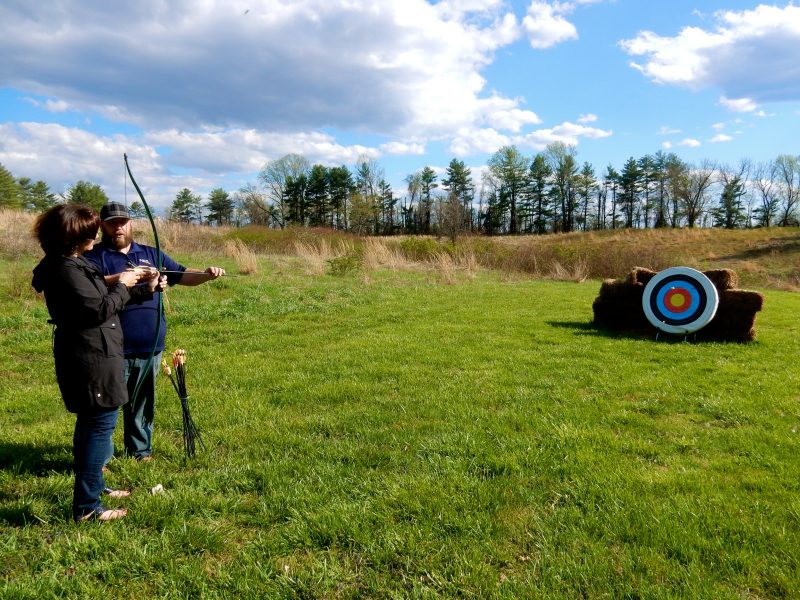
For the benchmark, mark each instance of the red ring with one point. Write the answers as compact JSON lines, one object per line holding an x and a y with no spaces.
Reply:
{"x":676,"y":291}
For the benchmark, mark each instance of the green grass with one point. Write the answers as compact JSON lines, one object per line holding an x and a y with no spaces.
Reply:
{"x":395,"y":437}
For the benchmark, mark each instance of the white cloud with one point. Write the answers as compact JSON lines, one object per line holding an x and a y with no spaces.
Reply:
{"x":233,"y":64}
{"x":666,"y":145}
{"x":566,"y":132}
{"x":748,"y":54}
{"x":546,"y":26}
{"x":62,"y":155}
{"x":738,"y":104}
{"x":403,"y":148}
{"x":668,"y":130}
{"x":487,"y":140}
{"x":478,"y":141}
{"x":721,"y":138}
{"x":689,"y":143}
{"x":245,"y":150}
{"x":502,"y":113}
{"x":718,"y":126}
{"x":587,"y":118}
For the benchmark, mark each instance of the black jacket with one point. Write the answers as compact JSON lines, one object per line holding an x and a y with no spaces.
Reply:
{"x":87,"y":342}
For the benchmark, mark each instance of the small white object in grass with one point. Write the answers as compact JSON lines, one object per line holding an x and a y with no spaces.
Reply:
{"x":158,"y":489}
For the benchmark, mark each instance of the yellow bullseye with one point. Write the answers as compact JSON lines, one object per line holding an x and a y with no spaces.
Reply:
{"x":677,"y":300}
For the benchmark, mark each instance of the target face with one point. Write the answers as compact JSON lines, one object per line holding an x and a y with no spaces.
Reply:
{"x":680,"y":300}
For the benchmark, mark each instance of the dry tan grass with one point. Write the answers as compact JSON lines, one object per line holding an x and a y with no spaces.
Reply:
{"x":379,"y":253}
{"x":245,"y":259}
{"x":314,"y":256}
{"x":317,"y":255}
{"x":578,"y":272}
{"x":444,"y":267}
{"x":185,"y":238}
{"x":467,"y":261}
{"x":16,"y":235}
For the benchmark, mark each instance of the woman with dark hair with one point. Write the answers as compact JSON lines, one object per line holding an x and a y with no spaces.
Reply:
{"x":87,"y":343}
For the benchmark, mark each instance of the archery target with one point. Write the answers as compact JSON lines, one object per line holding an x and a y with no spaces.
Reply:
{"x":680,"y":300}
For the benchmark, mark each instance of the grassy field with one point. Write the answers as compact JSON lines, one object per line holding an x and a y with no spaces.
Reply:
{"x":397,"y":434}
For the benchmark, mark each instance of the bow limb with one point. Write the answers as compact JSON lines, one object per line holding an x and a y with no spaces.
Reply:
{"x":160,"y":311}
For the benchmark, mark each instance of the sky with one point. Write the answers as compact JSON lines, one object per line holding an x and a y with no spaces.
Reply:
{"x":201,"y":94}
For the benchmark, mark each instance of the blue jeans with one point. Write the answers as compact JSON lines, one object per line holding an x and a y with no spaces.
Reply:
{"x":138,"y":413}
{"x":93,"y":431}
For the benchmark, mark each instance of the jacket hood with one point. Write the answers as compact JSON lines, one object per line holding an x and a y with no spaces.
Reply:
{"x":43,"y":272}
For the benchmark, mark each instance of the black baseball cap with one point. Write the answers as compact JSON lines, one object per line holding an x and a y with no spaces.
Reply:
{"x":114,"y":210}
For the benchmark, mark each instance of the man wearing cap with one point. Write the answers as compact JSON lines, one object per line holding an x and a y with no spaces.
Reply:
{"x":118,"y":252}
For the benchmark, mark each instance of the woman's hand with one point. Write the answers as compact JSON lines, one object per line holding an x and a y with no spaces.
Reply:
{"x":128,"y":278}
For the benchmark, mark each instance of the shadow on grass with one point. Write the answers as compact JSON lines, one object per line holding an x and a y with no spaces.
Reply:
{"x":584,"y":328}
{"x":34,"y":459}
{"x":21,"y":514}
{"x":590,"y":329}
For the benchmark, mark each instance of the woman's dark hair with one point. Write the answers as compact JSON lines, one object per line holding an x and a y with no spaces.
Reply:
{"x":61,"y":229}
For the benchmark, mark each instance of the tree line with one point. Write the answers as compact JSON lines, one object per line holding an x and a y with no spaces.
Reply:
{"x":548,"y":192}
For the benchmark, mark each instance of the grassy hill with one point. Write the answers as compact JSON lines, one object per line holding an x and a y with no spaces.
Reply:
{"x":395,"y":420}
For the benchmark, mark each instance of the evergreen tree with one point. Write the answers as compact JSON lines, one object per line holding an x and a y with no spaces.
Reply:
{"x":318,"y":197}
{"x":585,"y":184}
{"x":136,"y":210}
{"x":562,"y":161}
{"x":88,"y":194}
{"x":340,"y":186}
{"x":388,"y":202}
{"x":427,"y":179}
{"x":509,"y":168}
{"x":219,"y":206}
{"x":730,"y":213}
{"x":10,"y":190}
{"x":186,"y":206}
{"x":36,"y":196}
{"x":648,"y":175}
{"x":629,"y":184}
{"x":458,"y":181}
{"x":538,"y":177}
{"x":294,"y":199}
{"x":611,"y":183}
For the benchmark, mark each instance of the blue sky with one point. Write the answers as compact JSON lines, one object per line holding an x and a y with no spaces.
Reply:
{"x":201,"y":94}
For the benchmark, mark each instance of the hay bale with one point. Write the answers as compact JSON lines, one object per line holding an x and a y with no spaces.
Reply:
{"x":619,"y":305}
{"x":640,"y":275}
{"x":723,"y":279}
{"x":735,"y":318}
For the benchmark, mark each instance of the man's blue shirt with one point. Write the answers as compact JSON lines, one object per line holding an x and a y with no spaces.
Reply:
{"x":138,"y":319}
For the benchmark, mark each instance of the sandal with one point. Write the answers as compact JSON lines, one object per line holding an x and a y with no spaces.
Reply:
{"x":111,"y":493}
{"x":103,"y":514}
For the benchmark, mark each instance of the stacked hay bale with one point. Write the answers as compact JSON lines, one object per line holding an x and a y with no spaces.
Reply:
{"x":619,"y":306}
